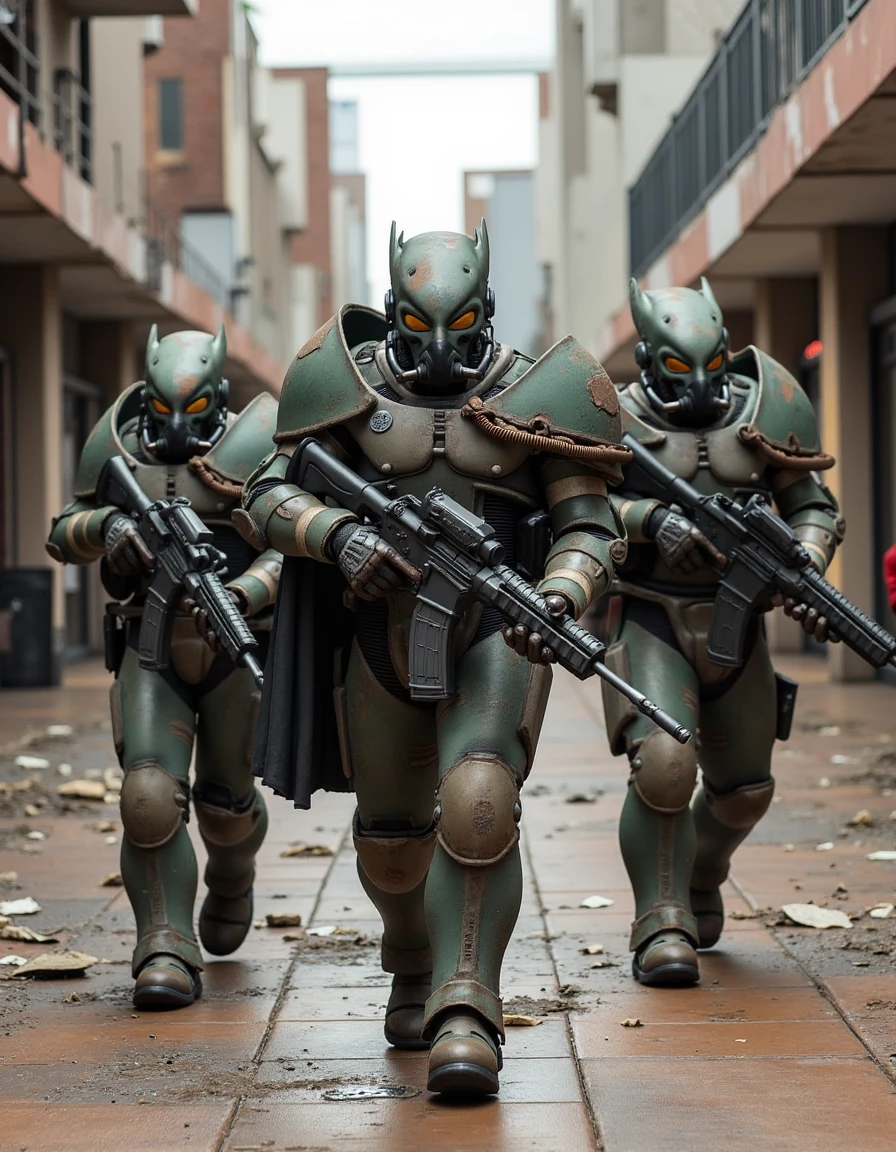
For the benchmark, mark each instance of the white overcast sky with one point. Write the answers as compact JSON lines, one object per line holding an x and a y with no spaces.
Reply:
{"x":419,"y":134}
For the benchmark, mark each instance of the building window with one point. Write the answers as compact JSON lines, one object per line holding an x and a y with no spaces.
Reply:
{"x":171,"y":115}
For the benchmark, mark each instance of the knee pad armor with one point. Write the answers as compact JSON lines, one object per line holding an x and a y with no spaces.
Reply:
{"x":478,"y":810}
{"x":394,"y":862}
{"x":154,"y":804}
{"x":743,"y":807}
{"x":664,"y":773}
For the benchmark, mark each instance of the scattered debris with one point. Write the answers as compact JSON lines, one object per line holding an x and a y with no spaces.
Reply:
{"x":31,"y":763}
{"x":879,"y":912}
{"x":596,"y":902}
{"x":307,"y":850}
{"x":27,"y":906}
{"x":35,"y":834}
{"x":113,"y":880}
{"x":32,"y":810}
{"x":811,"y":916}
{"x":13,"y":961}
{"x":885,"y":855}
{"x":862,"y":819}
{"x":824,"y":782}
{"x":25,"y":935}
{"x":632,"y":1022}
{"x":7,"y":879}
{"x":60,"y":731}
{"x":841,"y":759}
{"x":372,"y":1092}
{"x":826,"y":847}
{"x":592,"y":950}
{"x":104,"y":826}
{"x":738,"y":915}
{"x":604,"y":964}
{"x":283,"y":920}
{"x":789,"y":848}
{"x":72,"y":998}
{"x":738,"y":1041}
{"x":515,"y":1020}
{"x":583,"y":798}
{"x":65,"y":770}
{"x":111,"y":840}
{"x":324,"y":930}
{"x":829,"y":730}
{"x":82,"y":789}
{"x":58,"y":964}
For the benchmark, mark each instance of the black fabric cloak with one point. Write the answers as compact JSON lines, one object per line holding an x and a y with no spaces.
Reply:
{"x":296,"y":741}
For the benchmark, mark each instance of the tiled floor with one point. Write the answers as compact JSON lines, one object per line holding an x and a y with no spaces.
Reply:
{"x":788,"y":1043}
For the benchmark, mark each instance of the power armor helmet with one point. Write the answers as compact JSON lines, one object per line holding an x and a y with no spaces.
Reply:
{"x":183,"y":402}
{"x":440,"y":340}
{"x":683,"y":352}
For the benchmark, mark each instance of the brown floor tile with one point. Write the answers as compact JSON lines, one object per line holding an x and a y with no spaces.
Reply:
{"x":602,"y":1035}
{"x":96,"y":1128}
{"x":709,"y":1005}
{"x":864,"y":995}
{"x":790,"y":1105}
{"x":416,"y":1125}
{"x":151,"y":1032}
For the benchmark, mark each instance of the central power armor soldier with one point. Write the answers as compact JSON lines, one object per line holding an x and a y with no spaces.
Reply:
{"x":420,"y":398}
{"x":739,"y":426}
{"x":178,"y":438}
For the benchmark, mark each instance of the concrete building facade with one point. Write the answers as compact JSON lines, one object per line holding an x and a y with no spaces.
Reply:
{"x":775,"y":178}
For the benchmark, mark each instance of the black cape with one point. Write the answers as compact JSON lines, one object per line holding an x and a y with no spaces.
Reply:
{"x":296,"y":741}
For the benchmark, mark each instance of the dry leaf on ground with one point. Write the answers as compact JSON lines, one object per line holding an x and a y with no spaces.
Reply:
{"x":13,"y":961}
{"x":592,"y":949}
{"x":82,"y":789}
{"x":113,"y":880}
{"x":25,"y":935}
{"x":738,"y":915}
{"x":516,"y":1021}
{"x":811,"y":916}
{"x":604,"y":964}
{"x":31,"y":763}
{"x":307,"y":850}
{"x":862,"y":819}
{"x":884,"y":855}
{"x":632,"y":1022}
{"x":283,"y":920}
{"x":57,"y":964}
{"x":881,"y":911}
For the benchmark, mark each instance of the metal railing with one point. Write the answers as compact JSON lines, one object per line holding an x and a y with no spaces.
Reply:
{"x":164,"y":245}
{"x":20,"y":72}
{"x":72,"y":113}
{"x":769,"y":49}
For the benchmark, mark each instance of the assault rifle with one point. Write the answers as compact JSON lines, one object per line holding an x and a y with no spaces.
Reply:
{"x":757,"y":555}
{"x":457,"y":560}
{"x":186,"y":564}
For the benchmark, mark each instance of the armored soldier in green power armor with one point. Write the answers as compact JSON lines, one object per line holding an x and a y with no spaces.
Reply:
{"x":737,"y":425}
{"x":425,"y":397}
{"x":177,"y":436}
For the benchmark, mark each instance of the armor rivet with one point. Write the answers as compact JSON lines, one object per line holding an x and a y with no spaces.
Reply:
{"x":385,"y":468}
{"x":754,"y":476}
{"x":496,"y":469}
{"x":381,"y":421}
{"x":437,"y":813}
{"x":517,"y":811}
{"x":220,"y":507}
{"x":637,"y":762}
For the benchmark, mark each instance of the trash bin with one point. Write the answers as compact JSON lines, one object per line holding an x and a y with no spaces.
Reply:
{"x":26,"y":629}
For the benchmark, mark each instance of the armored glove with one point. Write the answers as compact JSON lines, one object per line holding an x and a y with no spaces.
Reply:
{"x":530,"y":644}
{"x":678,"y":541}
{"x":201,"y":617}
{"x":126,"y":553}
{"x":371,"y":567}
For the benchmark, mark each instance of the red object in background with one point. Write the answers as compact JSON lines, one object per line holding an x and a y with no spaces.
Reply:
{"x":890,"y":574}
{"x":812,"y":351}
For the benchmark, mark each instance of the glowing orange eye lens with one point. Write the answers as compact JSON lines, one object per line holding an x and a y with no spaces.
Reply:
{"x":715,"y":363}
{"x":415,"y":323}
{"x":161,"y":408}
{"x":199,"y":405}
{"x":466,"y":321}
{"x":675,"y":365}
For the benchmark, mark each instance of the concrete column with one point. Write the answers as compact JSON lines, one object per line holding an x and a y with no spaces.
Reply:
{"x":854,"y":277}
{"x":740,"y":328}
{"x":31,"y":329}
{"x":786,"y":319}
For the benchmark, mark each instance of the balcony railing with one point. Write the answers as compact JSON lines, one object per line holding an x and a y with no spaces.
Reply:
{"x":771,"y":47}
{"x":164,"y":245}
{"x":72,"y":113}
{"x":20,"y":72}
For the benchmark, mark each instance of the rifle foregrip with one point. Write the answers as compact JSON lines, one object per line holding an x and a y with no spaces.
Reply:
{"x":225,"y":618}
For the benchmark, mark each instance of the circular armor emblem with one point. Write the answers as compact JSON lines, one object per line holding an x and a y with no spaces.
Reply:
{"x":381,"y":421}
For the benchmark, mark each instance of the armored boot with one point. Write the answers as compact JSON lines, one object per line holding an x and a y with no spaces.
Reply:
{"x":473,"y":899}
{"x":158,"y":867}
{"x":722,"y":822}
{"x":657,"y":840}
{"x":392,"y":867}
{"x":232,"y":832}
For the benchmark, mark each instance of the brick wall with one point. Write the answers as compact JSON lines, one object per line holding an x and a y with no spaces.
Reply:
{"x":193,"y":51}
